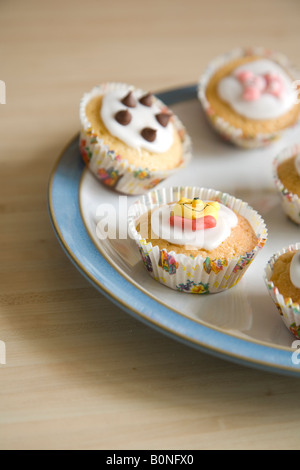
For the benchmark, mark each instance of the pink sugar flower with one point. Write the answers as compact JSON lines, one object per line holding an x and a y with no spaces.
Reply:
{"x":256,"y":85}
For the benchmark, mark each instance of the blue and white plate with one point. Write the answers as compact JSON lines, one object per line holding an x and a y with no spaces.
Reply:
{"x":242,"y":324}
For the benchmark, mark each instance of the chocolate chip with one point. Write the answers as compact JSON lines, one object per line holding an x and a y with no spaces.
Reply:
{"x":146,"y":100}
{"x":149,"y":134}
{"x":163,"y":118}
{"x":129,"y":100}
{"x":123,"y":117}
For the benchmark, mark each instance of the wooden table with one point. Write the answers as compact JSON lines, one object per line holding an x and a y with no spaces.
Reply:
{"x":81,"y":373}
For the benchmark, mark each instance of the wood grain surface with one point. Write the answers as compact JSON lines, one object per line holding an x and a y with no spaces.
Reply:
{"x":80,"y":373}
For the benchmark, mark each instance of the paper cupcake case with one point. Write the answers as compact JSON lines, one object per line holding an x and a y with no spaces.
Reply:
{"x":228,"y":132}
{"x":290,"y":202}
{"x":184,"y":273}
{"x":110,"y":168}
{"x":289,"y":310}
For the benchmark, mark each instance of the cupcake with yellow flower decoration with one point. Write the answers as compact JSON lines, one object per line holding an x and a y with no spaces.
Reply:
{"x":196,"y":240}
{"x":129,"y":139}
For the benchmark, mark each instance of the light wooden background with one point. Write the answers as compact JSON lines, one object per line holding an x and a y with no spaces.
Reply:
{"x":80,"y":372}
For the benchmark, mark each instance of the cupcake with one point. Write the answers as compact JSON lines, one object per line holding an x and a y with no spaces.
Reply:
{"x":250,"y":96}
{"x":286,"y":171}
{"x":282,"y":277}
{"x":196,"y":240}
{"x":129,"y":139}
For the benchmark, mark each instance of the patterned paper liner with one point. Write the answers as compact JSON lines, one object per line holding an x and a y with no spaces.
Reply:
{"x":289,"y":310}
{"x":290,"y":202}
{"x":109,"y":167}
{"x":185,"y":273}
{"x":226,"y":130}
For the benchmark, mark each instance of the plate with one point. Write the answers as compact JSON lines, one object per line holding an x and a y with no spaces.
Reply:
{"x":241,"y":325}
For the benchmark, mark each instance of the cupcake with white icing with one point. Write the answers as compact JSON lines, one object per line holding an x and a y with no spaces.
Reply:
{"x":286,"y":172}
{"x":196,"y":240}
{"x":282,"y":277}
{"x":250,"y":96}
{"x":129,"y":139}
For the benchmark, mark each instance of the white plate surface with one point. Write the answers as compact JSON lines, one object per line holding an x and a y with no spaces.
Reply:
{"x":246,"y":311}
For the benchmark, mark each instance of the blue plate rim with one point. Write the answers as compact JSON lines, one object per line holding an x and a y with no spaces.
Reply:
{"x":128,"y":297}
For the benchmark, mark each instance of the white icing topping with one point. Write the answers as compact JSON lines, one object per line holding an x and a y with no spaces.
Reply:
{"x":267,"y":106}
{"x":207,"y":239}
{"x":142,"y":117}
{"x":295,"y":270}
{"x":297,"y":164}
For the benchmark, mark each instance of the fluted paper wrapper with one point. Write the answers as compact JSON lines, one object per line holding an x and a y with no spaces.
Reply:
{"x":113,"y":170}
{"x":290,"y":202}
{"x":227,"y":131}
{"x":194,"y":275}
{"x":289,"y":310}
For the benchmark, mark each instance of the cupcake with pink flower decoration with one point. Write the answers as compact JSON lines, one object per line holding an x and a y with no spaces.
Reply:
{"x":250,"y":96}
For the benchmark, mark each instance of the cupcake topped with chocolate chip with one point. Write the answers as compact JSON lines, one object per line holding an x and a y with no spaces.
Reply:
{"x":136,"y":128}
{"x":138,"y":121}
